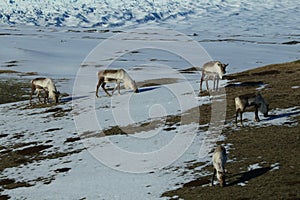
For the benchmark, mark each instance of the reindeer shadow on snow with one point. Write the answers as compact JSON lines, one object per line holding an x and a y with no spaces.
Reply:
{"x":282,"y":115}
{"x":257,"y":101}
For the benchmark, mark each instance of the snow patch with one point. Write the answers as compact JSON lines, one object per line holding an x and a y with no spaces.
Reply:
{"x":277,"y":117}
{"x":253,"y":166}
{"x":243,"y":184}
{"x":275,"y":166}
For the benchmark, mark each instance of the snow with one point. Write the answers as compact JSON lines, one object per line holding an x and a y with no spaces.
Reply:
{"x":275,"y":166}
{"x":243,"y":183}
{"x":71,"y":40}
{"x":276,"y":117}
{"x":118,"y":13}
{"x":147,"y":165}
{"x":254,"y":166}
{"x":87,"y":176}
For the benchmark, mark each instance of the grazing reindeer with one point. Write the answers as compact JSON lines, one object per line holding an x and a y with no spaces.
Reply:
{"x":219,"y":160}
{"x":247,"y":100}
{"x":213,"y":70}
{"x":117,"y":76}
{"x":46,"y":85}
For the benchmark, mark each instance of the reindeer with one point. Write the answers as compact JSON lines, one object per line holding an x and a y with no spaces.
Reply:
{"x":213,"y":70}
{"x":219,"y":160}
{"x":46,"y":85}
{"x":248,"y":100}
{"x":117,"y":76}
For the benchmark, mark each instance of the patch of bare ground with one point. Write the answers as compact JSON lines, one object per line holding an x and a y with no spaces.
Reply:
{"x":13,"y":90}
{"x":26,"y":153}
{"x":275,"y":149}
{"x":190,"y":70}
{"x":156,"y":82}
{"x":9,"y":71}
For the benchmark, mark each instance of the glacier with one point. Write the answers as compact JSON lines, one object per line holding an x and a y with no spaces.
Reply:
{"x":118,"y":13}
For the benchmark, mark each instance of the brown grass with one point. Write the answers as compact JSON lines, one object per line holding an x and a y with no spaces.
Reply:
{"x":12,"y":90}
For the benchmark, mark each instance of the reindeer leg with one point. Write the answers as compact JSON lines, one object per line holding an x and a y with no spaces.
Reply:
{"x":241,"y":118}
{"x":207,"y":85}
{"x":213,"y":177}
{"x":103,"y":87}
{"x":46,"y":97}
{"x":201,"y":81}
{"x":236,"y":116}
{"x":217,"y":86}
{"x":214,"y":80}
{"x":32,"y":91}
{"x":119,"y":87}
{"x":112,"y":93}
{"x":100,"y":81}
{"x":38,"y":94}
{"x":256,"y":114}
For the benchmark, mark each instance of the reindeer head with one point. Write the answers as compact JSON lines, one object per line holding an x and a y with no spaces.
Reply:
{"x":135,"y":88}
{"x":221,"y":177}
{"x":266,"y":115}
{"x":263,"y":105}
{"x":266,"y":110}
{"x":222,"y":69}
{"x":56,"y":95}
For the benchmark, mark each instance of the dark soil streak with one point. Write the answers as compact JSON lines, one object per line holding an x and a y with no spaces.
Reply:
{"x":33,"y":150}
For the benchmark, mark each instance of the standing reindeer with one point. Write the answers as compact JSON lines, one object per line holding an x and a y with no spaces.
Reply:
{"x":213,"y":70}
{"x":247,"y":100}
{"x":219,"y":160}
{"x":117,"y":76}
{"x":46,"y":85}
